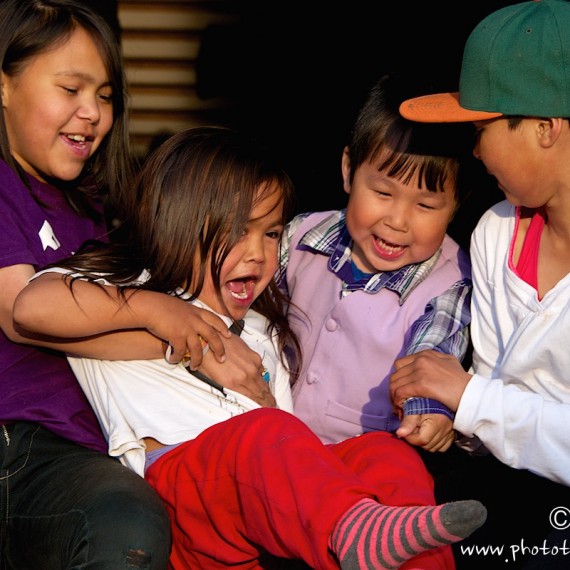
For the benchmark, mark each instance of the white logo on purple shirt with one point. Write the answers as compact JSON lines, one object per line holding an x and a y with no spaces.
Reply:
{"x":48,"y":237}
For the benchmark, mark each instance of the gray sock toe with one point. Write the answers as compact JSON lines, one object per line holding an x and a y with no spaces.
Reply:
{"x":462,"y":518}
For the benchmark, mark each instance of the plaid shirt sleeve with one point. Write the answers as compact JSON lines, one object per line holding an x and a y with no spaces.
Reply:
{"x":443,"y":327}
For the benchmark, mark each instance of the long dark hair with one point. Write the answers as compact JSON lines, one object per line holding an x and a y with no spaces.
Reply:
{"x":194,"y":197}
{"x":32,"y":27}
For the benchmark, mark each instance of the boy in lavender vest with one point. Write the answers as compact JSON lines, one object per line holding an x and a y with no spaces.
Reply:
{"x":381,"y":278}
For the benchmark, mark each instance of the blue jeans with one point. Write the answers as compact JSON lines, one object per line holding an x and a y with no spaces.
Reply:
{"x":63,"y":507}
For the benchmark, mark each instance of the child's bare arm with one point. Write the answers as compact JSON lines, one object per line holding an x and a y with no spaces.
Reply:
{"x":94,"y":322}
{"x":46,"y":311}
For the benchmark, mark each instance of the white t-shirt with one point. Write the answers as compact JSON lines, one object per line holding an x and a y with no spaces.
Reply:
{"x":134,"y":399}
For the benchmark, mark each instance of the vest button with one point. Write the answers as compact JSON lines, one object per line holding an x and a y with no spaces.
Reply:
{"x":331,"y":325}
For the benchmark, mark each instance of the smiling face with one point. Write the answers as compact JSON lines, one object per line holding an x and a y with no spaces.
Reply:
{"x":252,"y":262}
{"x":59,"y":109}
{"x":392,"y":223}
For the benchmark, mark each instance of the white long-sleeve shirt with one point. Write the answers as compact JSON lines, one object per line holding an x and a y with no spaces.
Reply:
{"x":518,"y":401}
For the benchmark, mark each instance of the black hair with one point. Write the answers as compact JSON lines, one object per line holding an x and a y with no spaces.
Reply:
{"x":404,"y":148}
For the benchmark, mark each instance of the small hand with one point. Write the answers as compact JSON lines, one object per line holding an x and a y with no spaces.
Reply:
{"x":432,"y":432}
{"x":241,"y":372}
{"x":184,"y":328}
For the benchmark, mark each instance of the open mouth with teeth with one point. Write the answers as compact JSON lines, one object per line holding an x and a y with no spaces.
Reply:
{"x":387,"y":248}
{"x":79,"y":139}
{"x":242,"y":289}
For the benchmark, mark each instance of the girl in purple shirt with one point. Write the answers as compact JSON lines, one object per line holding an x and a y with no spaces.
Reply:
{"x":63,"y":142}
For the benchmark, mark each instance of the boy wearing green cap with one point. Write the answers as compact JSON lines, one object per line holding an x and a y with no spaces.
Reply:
{"x":515,"y":400}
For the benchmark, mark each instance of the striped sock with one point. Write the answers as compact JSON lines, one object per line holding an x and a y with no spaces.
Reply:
{"x":371,"y":535}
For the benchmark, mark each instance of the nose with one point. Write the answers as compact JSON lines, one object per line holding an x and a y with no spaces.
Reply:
{"x":397,"y":219}
{"x":89,"y":109}
{"x":255,"y":249}
{"x":476,"y":152}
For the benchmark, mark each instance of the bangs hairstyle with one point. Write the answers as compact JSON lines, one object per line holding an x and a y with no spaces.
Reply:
{"x":404,"y":148}
{"x":33,"y":27}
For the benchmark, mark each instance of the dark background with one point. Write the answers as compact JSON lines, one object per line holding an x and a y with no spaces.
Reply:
{"x":297,"y":72}
{"x":298,"y":75}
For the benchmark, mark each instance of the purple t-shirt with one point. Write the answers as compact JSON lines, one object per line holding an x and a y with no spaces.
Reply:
{"x":35,"y":384}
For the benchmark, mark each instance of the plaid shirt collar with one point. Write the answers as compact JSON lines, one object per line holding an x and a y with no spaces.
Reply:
{"x":331,"y":238}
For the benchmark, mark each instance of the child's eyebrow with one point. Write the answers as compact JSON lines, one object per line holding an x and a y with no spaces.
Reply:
{"x":80,"y":75}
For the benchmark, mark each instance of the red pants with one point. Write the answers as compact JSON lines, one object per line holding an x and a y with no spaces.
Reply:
{"x":262,"y":483}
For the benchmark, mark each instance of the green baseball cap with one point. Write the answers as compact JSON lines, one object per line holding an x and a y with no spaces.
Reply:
{"x":516,"y":62}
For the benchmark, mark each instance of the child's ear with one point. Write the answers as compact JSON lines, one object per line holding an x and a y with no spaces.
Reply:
{"x":345,"y":167}
{"x":549,"y":130}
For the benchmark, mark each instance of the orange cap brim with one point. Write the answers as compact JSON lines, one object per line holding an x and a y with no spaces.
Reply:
{"x":441,"y":108}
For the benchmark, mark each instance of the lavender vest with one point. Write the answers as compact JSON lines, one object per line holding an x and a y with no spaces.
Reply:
{"x":350,"y":343}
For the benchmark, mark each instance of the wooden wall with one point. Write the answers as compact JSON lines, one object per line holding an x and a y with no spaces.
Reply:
{"x":161,"y":44}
